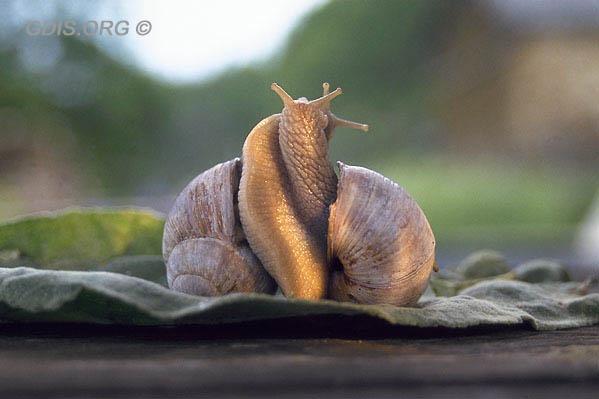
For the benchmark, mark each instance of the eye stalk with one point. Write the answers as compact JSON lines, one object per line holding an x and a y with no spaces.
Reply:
{"x":324,"y":102}
{"x":334,"y":120}
{"x":340,"y":122}
{"x":286,"y":98}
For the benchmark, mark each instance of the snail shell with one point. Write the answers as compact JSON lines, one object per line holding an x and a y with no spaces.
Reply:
{"x":204,"y":247}
{"x":380,"y":244}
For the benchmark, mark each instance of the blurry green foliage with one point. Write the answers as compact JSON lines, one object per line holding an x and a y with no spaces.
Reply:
{"x":136,"y":135}
{"x":136,"y":131}
{"x":485,"y":200}
{"x":117,"y":131}
{"x":82,"y":238}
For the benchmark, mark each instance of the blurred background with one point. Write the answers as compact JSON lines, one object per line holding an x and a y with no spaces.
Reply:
{"x":487,"y":112}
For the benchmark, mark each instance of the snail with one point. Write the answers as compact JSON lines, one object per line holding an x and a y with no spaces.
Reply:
{"x":282,"y":217}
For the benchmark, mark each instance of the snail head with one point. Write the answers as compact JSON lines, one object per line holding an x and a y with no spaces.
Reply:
{"x":315,"y":114}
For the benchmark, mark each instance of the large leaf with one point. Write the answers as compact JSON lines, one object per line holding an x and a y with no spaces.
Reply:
{"x":81,"y":239}
{"x":28,"y":294}
{"x":128,"y":242}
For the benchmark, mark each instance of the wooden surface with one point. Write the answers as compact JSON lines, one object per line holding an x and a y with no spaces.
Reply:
{"x":60,"y":361}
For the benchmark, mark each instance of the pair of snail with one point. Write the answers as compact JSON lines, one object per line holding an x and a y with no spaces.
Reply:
{"x":280,"y":216}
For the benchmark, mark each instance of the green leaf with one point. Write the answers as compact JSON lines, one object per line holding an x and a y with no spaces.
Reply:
{"x":32,"y":295}
{"x":123,"y":247}
{"x":81,"y":238}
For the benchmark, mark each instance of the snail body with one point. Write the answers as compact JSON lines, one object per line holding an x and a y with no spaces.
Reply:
{"x":359,"y":237}
{"x":274,"y":227}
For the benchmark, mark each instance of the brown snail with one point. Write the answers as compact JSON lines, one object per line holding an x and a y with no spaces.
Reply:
{"x":359,"y":237}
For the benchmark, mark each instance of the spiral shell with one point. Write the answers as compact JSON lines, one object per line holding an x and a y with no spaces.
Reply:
{"x":380,"y":244}
{"x":204,"y":247}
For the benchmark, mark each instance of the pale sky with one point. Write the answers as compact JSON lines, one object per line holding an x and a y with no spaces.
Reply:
{"x":191,"y":40}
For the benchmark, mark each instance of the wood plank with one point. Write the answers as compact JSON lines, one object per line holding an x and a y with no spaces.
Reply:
{"x":61,"y":361}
